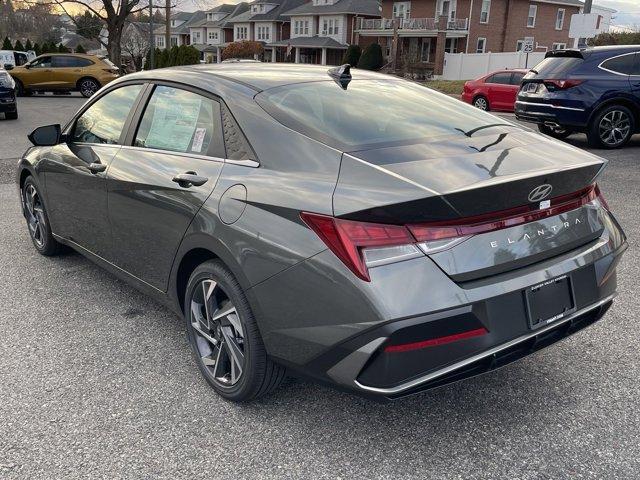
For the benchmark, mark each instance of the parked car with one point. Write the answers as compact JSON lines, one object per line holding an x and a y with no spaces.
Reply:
{"x":595,"y":91}
{"x":495,"y":91}
{"x":13,"y":58}
{"x":360,"y":229}
{"x":64,"y":72}
{"x":8,"y":96}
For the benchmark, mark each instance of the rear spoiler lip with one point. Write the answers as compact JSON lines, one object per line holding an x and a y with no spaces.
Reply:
{"x":574,"y":53}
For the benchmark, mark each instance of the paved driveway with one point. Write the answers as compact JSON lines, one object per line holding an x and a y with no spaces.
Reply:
{"x":96,"y":380}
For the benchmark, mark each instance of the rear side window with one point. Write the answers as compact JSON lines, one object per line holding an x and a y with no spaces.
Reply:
{"x":181,"y":121}
{"x":20,"y":58}
{"x":555,"y":67}
{"x":503,"y":78}
{"x":623,"y":65}
{"x":516,"y":78}
{"x":102,"y":122}
{"x":71,"y":62}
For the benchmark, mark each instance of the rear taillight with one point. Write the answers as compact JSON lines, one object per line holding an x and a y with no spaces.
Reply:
{"x":361,"y":245}
{"x":562,"y":84}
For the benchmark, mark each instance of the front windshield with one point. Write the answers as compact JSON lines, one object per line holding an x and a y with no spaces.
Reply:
{"x":372,"y":112}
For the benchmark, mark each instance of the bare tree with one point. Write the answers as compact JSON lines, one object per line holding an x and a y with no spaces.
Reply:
{"x":135,"y":43}
{"x":114,"y":14}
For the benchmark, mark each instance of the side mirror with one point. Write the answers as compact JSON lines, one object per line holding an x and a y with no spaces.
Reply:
{"x":46,"y":136}
{"x":8,"y":66}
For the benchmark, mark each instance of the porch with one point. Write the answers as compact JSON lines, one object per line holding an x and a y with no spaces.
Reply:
{"x":311,"y":50}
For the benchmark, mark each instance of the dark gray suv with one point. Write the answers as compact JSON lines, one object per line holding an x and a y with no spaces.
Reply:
{"x":350,"y":226}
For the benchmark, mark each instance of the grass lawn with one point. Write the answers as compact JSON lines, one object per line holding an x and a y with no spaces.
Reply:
{"x":446,"y":86}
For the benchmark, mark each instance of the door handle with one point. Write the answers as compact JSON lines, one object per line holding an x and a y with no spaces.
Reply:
{"x":189,"y":179}
{"x":97,"y":167}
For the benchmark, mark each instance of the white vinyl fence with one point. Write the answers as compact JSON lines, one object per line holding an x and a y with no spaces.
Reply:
{"x":467,"y":66}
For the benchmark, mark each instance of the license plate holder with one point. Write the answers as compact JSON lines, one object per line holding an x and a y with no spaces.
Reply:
{"x":550,"y":301}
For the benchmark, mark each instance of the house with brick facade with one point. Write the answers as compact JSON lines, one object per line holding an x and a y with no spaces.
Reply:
{"x":321,"y":30}
{"x":415,"y":34}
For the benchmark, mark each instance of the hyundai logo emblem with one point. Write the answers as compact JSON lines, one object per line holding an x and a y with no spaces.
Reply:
{"x":540,"y":192}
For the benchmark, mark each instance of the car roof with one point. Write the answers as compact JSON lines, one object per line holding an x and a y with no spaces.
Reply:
{"x":257,"y":75}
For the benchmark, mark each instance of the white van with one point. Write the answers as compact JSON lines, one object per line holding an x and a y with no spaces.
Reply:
{"x":15,"y":58}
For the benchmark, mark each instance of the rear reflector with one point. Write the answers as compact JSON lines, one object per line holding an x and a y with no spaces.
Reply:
{"x":432,"y":342}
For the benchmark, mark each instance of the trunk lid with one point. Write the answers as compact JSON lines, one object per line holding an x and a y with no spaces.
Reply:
{"x":452,"y":179}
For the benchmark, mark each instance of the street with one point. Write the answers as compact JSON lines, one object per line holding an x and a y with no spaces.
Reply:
{"x":97,"y":380}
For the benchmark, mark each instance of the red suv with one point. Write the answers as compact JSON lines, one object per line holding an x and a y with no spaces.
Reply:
{"x":495,"y":91}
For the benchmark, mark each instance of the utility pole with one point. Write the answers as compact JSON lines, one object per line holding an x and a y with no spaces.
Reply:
{"x":167,"y":31}
{"x":152,"y":43}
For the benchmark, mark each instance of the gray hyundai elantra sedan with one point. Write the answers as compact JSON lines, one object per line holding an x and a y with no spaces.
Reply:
{"x":349,"y":226}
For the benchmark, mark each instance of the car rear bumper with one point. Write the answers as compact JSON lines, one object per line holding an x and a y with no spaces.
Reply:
{"x":7,"y":101}
{"x":546,"y":113}
{"x":353,"y":337}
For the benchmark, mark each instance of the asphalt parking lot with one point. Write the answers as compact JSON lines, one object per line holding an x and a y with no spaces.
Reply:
{"x":96,"y":380}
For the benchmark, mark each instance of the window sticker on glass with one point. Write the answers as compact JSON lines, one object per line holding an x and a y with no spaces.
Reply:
{"x":198,"y":139}
{"x":174,"y":124}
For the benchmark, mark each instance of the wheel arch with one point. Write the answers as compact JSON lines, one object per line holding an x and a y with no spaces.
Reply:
{"x":87,"y":77}
{"x":195,"y":250}
{"x":624,"y":101}
{"x":479,"y":95}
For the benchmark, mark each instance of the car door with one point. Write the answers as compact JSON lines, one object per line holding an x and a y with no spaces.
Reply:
{"x":499,"y":90}
{"x":75,"y":171}
{"x":38,"y":73}
{"x":634,"y":78}
{"x":66,"y":70}
{"x":157,"y":184}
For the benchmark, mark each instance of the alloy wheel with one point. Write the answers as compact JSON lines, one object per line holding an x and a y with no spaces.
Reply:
{"x":614,"y":127}
{"x":481,"y":103}
{"x":36,"y":219}
{"x":88,"y":87}
{"x":218,"y":331}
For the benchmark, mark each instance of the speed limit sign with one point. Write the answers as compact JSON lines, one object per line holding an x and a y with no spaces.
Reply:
{"x":527,"y":47}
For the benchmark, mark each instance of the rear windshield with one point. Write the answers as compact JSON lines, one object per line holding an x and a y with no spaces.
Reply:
{"x":554,"y":67}
{"x":371,"y":112}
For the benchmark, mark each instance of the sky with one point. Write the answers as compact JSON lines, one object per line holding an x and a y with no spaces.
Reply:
{"x":628,"y":10}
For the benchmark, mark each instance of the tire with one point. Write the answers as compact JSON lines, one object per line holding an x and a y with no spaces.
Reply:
{"x":237,"y":366}
{"x":11,"y":115}
{"x":481,"y":102}
{"x":88,"y":86}
{"x":20,"y":90}
{"x":559,"y":133}
{"x":611,"y":127}
{"x":38,"y":220}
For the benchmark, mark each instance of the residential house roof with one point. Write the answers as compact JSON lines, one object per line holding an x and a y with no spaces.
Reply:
{"x":274,"y":15}
{"x":228,"y":8}
{"x":357,"y":7}
{"x":189,"y":19}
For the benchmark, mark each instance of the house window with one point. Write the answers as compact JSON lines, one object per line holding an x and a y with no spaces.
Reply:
{"x":401,"y":9}
{"x":195,"y":37}
{"x":330,"y":26}
{"x":560,"y":19}
{"x":447,"y":8}
{"x":160,"y":42}
{"x":301,"y":27}
{"x":559,"y":46}
{"x":481,"y":45}
{"x":242,"y":33}
{"x":450,"y":45}
{"x":264,"y":32}
{"x":174,"y":41}
{"x":213,"y":35}
{"x":425,"y":50}
{"x":484,"y":11}
{"x":531,"y":19}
